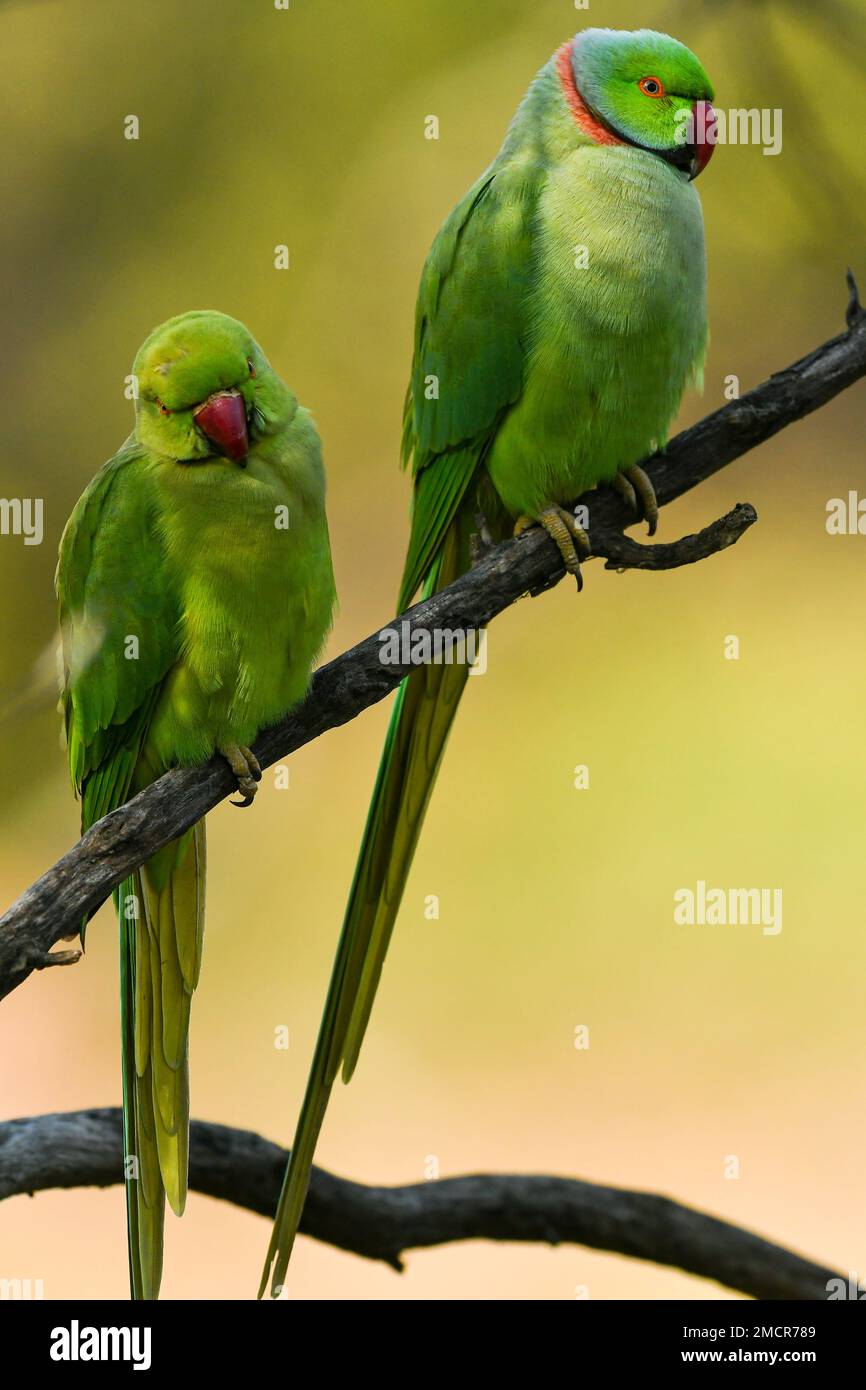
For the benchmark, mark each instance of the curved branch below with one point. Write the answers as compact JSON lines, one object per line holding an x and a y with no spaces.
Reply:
{"x":84,"y":1148}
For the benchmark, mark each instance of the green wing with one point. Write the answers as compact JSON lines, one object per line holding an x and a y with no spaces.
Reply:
{"x":470,"y":336}
{"x":112,"y":595}
{"x":118,"y":623}
{"x":468,"y":363}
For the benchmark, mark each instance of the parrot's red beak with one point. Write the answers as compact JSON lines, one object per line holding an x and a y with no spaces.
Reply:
{"x":704,"y":135}
{"x":223,"y":418}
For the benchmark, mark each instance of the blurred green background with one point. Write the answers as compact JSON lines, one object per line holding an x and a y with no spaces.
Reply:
{"x":306,"y":127}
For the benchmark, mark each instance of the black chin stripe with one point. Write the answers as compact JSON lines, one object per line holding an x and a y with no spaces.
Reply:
{"x":680,"y":156}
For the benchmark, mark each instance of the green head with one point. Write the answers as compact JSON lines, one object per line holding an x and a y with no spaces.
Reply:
{"x":645,"y":89}
{"x":206,"y":388}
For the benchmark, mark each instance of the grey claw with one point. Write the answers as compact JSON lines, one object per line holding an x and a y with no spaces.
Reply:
{"x":249,"y":789}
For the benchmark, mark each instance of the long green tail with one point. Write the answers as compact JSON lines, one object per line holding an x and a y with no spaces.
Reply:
{"x":161,"y":917}
{"x":423,"y":713}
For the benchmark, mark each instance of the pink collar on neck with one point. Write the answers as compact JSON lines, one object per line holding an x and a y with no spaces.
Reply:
{"x":579,"y":109}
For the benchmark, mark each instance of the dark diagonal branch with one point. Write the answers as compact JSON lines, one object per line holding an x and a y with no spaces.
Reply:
{"x":83,"y":1149}
{"x":54,"y":906}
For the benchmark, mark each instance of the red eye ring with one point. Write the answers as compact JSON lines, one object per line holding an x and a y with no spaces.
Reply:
{"x":163,"y":409}
{"x":652,"y":86}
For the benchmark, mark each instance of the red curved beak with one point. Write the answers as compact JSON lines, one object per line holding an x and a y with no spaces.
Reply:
{"x":704,"y":136}
{"x":223,"y":418}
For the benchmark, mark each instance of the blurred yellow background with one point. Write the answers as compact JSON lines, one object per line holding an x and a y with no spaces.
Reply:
{"x":306,"y":127}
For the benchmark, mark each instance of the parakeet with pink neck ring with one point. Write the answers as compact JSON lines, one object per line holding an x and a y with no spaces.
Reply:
{"x":560,"y":318}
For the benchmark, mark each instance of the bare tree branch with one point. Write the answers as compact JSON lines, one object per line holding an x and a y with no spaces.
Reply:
{"x":622,"y":553}
{"x":54,"y":906}
{"x":84,"y":1149}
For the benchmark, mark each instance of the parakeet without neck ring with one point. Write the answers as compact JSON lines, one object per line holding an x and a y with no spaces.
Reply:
{"x":195,"y":592}
{"x":560,"y":317}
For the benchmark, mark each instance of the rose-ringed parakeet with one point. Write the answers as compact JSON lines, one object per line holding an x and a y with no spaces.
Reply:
{"x":561,"y":316}
{"x":195,"y":591}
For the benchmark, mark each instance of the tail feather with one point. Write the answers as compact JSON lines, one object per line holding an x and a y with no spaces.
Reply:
{"x":161,"y":936}
{"x":187,"y":891}
{"x":421,"y":720}
{"x":431,"y":698}
{"x":145,"y":1204}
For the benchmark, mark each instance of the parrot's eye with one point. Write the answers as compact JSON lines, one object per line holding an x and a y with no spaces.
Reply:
{"x":652,"y":87}
{"x":163,"y":409}
{"x":252,"y":366}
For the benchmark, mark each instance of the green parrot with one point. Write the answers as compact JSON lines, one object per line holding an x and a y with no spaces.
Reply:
{"x":561,"y":316}
{"x":195,"y":592}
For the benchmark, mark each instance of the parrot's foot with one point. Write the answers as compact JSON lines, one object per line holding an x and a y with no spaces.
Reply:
{"x":622,"y":485}
{"x":634,"y":486}
{"x":245,"y":766}
{"x":562,"y":528}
